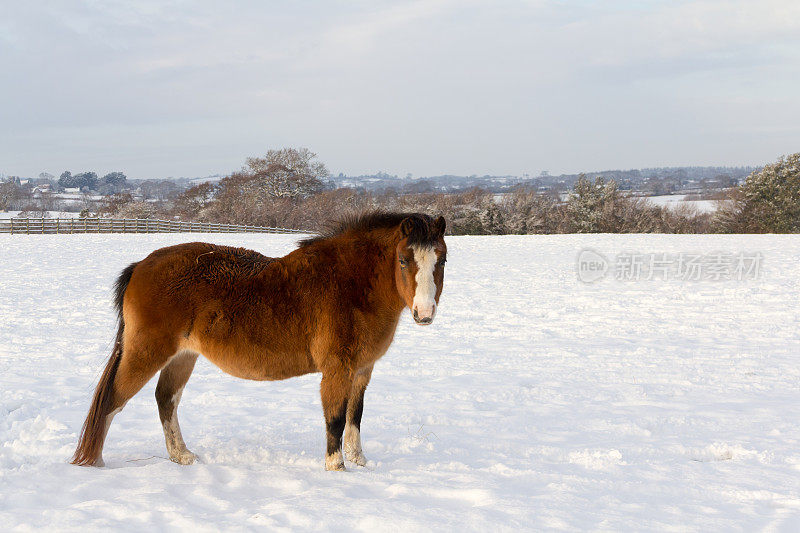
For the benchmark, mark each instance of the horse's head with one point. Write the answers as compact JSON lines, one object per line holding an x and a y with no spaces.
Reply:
{"x":419,"y":265}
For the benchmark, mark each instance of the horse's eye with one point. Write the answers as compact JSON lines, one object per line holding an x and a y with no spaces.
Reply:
{"x":441,"y":262}
{"x":403,"y":262}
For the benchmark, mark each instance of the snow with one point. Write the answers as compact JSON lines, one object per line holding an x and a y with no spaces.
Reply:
{"x":674,"y":200}
{"x":534,"y":401}
{"x":38,"y":214}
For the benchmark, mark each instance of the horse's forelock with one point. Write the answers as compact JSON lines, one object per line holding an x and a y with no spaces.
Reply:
{"x":419,"y":230}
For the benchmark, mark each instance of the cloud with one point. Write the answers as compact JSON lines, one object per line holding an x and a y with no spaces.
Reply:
{"x":684,"y":30}
{"x":420,"y":86}
{"x":357,"y":36}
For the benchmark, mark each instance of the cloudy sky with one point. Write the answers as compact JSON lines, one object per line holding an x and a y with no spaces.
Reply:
{"x":161,"y":88}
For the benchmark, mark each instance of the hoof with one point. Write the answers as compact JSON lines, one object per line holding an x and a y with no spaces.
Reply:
{"x":183,"y":458}
{"x":356,"y":457}
{"x":335,"y":462}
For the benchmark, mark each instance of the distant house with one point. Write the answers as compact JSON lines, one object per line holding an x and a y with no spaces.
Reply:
{"x":40,"y":189}
{"x":72,"y":190}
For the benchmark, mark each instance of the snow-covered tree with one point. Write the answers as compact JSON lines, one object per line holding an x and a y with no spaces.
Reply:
{"x":767,"y":202}
{"x":193,"y":200}
{"x":287,"y":173}
{"x":591,"y":205}
{"x":8,"y":192}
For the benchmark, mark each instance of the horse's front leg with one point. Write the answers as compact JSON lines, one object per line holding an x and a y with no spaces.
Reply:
{"x":335,"y":390}
{"x":355,"y":408}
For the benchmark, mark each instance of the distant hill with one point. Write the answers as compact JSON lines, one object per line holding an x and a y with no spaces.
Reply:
{"x":635,"y":179}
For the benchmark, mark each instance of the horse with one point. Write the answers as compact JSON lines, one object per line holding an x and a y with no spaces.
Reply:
{"x":331,"y":306}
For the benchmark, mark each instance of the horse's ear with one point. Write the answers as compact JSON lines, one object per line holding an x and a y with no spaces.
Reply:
{"x":439,"y":226}
{"x":407,"y":226}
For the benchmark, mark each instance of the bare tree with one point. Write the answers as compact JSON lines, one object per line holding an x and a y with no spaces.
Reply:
{"x":8,"y":193}
{"x":47,"y":201}
{"x":87,"y":203}
{"x":139,"y":210}
{"x":112,"y":204}
{"x":193,"y":200}
{"x":287,"y":173}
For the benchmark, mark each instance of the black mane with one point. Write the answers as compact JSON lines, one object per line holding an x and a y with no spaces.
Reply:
{"x":421,"y":234}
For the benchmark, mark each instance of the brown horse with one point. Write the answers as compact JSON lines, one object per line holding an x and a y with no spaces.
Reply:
{"x":330,"y":306}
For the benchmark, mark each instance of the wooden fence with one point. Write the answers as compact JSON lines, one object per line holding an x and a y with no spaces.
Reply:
{"x":125,"y":225}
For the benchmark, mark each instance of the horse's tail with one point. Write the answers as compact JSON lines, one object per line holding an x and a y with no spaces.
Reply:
{"x":93,"y":432}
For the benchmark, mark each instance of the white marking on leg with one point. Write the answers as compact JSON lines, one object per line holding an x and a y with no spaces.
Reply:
{"x":352,"y":445}
{"x":176,"y":447}
{"x":334,"y":461}
{"x":352,"y":438}
{"x":425,"y":295}
{"x":109,"y":417}
{"x":176,"y":398}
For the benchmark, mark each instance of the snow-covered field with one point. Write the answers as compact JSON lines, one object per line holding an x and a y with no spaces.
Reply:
{"x":50,"y":214}
{"x":535,"y":401}
{"x":674,"y":200}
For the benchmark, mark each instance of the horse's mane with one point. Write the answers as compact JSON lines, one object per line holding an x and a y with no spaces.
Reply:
{"x":422,"y":233}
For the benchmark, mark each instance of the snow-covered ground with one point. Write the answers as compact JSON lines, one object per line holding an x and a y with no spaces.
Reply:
{"x":535,"y":401}
{"x":674,"y":200}
{"x":38,"y":214}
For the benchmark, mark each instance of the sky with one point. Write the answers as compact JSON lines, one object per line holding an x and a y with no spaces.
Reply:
{"x":160,"y":88}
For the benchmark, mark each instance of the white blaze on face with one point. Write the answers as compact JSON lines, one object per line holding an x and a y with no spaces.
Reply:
{"x":425,"y":295}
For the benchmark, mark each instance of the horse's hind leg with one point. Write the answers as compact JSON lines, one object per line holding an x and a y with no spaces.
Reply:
{"x":355,"y":407}
{"x":168,"y":394}
{"x":127,"y":372}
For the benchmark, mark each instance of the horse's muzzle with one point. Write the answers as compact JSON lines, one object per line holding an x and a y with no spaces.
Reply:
{"x":424,"y":321}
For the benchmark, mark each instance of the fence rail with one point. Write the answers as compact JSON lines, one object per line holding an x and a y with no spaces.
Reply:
{"x":125,"y":225}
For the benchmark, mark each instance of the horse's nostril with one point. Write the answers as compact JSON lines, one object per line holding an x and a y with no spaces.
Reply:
{"x":416,"y":315}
